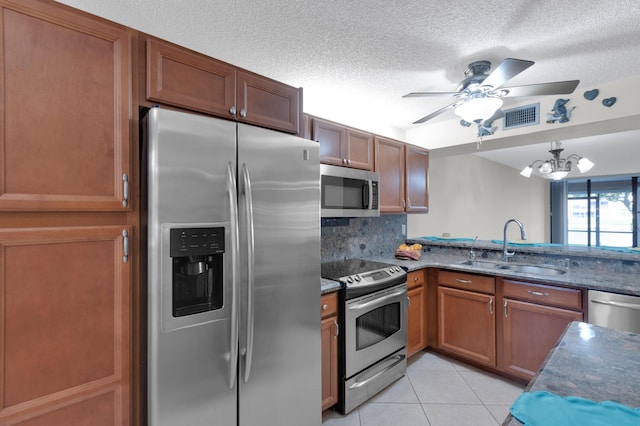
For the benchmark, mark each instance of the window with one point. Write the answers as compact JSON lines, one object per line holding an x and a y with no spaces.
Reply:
{"x":595,"y":212}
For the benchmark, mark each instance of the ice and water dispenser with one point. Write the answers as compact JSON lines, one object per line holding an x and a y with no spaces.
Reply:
{"x":197,"y":269}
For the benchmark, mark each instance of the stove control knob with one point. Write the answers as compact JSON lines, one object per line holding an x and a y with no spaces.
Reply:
{"x":397,"y":269}
{"x":357,"y":278}
{"x":349,"y":280}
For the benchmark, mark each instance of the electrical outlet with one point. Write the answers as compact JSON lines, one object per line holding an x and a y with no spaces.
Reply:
{"x":404,"y":229}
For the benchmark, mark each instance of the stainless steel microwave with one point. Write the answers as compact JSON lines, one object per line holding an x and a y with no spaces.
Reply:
{"x":348,"y":192}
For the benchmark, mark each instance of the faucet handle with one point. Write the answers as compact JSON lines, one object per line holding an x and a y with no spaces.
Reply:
{"x":472,"y":254}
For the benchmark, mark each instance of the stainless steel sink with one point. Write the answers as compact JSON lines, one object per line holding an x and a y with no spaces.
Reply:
{"x":480,"y":263}
{"x":534,"y":269}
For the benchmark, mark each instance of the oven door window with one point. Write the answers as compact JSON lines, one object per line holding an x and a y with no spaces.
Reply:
{"x":377,"y":325}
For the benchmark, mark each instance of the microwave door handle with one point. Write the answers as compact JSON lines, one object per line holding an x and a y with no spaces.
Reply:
{"x":233,"y":207}
{"x":365,"y":195}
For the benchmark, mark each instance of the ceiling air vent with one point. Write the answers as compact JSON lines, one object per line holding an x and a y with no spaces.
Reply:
{"x":522,"y":116}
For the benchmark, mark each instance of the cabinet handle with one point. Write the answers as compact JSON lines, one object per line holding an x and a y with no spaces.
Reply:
{"x":403,"y":204}
{"x":349,"y":162}
{"x":243,"y":113}
{"x":505,"y":308}
{"x":125,"y":190}
{"x":409,"y":202}
{"x":344,"y":161}
{"x":125,"y":243}
{"x":491,"y":306}
{"x":325,"y":307}
{"x":232,"y":110}
{"x":537,"y":293}
{"x":463,"y":281}
{"x":335,"y":322}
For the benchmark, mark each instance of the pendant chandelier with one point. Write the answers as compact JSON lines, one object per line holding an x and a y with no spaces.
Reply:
{"x":557,"y":168}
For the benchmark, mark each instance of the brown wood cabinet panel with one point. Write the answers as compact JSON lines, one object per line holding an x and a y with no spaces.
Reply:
{"x":469,"y":282}
{"x":65,"y":93}
{"x":390,"y":164}
{"x":184,"y":78}
{"x":332,"y":138}
{"x":417,"y":160}
{"x":329,"y":326}
{"x":416,"y":279}
{"x":417,"y":320}
{"x":65,"y":325}
{"x":268,"y":103}
{"x":466,"y":324}
{"x":529,"y":332}
{"x":547,"y":295}
{"x":360,"y":149}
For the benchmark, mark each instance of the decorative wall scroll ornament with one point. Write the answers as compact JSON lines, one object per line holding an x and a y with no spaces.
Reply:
{"x":591,"y":94}
{"x":560,"y":112}
{"x":609,"y":101}
{"x":464,"y":123}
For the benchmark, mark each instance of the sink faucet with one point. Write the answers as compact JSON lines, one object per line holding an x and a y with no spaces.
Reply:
{"x":506,"y":254}
{"x":472,"y":254}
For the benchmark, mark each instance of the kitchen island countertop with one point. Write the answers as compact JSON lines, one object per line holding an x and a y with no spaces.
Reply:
{"x":591,"y":362}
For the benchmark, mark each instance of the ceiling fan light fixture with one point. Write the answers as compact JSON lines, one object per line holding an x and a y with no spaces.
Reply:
{"x":478,"y":109}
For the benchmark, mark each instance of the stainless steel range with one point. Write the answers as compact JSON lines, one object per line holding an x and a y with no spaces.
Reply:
{"x":373,"y":315}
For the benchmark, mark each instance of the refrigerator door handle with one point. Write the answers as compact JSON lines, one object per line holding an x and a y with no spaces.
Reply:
{"x":248,"y":204}
{"x":233,"y":207}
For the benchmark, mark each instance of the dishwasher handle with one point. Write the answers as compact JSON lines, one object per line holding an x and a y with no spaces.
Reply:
{"x":634,"y":306}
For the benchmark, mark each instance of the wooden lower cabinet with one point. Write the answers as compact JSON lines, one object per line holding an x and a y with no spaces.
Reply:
{"x":417,"y":315}
{"x":65,"y":326}
{"x":329,"y":312}
{"x":530,"y":328}
{"x":466,"y":324}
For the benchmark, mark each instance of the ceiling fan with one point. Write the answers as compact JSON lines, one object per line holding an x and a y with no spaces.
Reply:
{"x":479,"y":95}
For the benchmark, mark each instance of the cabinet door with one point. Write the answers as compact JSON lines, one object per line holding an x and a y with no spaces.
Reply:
{"x":417,"y":179}
{"x":390,"y":164}
{"x":329,"y":362}
{"x":360,"y":149}
{"x":466,"y":324}
{"x":181,"y":77}
{"x":268,"y":103}
{"x":417,"y":321}
{"x":332,"y":138}
{"x":65,"y":346}
{"x":65,"y":93}
{"x":529,"y":333}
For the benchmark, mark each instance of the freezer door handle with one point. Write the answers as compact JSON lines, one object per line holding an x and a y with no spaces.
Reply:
{"x":250,"y":244}
{"x":233,"y":207}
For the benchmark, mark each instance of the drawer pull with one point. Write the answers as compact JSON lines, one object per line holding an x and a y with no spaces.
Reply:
{"x":537,"y":293}
{"x":463,"y":281}
{"x":325,"y":307}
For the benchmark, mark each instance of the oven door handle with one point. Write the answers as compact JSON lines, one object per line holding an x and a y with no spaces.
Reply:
{"x":391,"y":362}
{"x":377,"y":301}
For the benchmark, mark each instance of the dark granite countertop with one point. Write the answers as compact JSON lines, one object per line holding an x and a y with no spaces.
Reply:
{"x":591,"y":362}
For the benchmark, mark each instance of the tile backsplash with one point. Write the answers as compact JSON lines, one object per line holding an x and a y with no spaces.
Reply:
{"x":362,"y":237}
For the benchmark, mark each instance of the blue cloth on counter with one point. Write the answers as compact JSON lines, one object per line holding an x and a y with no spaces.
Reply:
{"x":543,"y":408}
{"x":521,"y":243}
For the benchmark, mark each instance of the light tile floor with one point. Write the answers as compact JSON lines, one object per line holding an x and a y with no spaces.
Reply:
{"x":436,"y":391}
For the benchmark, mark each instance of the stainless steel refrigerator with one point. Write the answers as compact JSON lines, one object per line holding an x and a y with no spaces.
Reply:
{"x":233,"y":274}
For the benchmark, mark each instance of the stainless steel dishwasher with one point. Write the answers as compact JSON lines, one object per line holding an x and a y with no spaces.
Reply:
{"x":617,"y":311}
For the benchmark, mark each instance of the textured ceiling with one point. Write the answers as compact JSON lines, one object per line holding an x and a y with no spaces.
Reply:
{"x":355,"y":59}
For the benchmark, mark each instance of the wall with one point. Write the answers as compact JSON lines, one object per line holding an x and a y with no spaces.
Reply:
{"x":362,"y":237}
{"x":469,"y":196}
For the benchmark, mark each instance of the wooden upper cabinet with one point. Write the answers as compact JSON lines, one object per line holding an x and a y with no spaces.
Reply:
{"x":184,"y":78}
{"x":181,"y":77}
{"x":65,"y":326}
{"x":390,"y":164}
{"x":343,"y":146}
{"x":268,"y":103}
{"x":417,"y":175}
{"x":65,"y":93}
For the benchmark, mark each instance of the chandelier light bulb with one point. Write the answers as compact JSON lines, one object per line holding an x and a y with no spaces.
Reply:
{"x":584,"y":165}
{"x":526,"y":172}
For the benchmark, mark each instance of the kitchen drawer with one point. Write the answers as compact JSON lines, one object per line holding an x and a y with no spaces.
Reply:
{"x":329,"y":304}
{"x":415,"y":279}
{"x":569,"y":298}
{"x":472,"y":282}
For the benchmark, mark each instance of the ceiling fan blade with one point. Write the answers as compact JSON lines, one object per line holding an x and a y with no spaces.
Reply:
{"x":437,"y":113}
{"x":425,"y":94}
{"x":508,"y":69}
{"x":554,"y":88}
